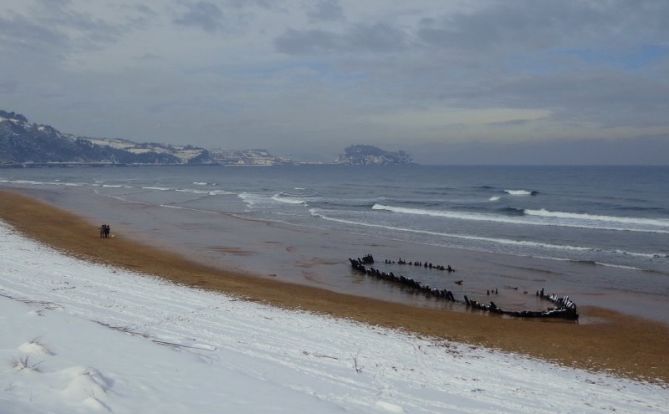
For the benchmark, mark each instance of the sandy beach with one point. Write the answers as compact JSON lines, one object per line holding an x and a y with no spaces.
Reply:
{"x":622,"y":344}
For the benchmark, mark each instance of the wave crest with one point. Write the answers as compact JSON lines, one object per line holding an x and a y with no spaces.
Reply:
{"x":544,"y":218}
{"x":598,"y":218}
{"x":522,"y":192}
{"x":288,"y":199}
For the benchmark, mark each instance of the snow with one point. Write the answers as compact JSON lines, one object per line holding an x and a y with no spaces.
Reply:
{"x":110,"y":142}
{"x":77,"y":337}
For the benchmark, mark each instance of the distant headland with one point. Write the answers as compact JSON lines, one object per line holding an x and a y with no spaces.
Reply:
{"x":370,"y":155}
{"x":27,"y":144}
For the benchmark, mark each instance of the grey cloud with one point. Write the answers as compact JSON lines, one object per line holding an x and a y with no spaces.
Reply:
{"x":333,"y":75}
{"x":8,"y":86}
{"x":545,"y":23}
{"x":652,"y":150}
{"x":613,"y":99}
{"x":464,"y":60}
{"x":306,"y":41}
{"x":92,"y":30}
{"x":250,"y":3}
{"x":148,"y":57}
{"x":203,"y":14}
{"x":18,"y":31}
{"x":325,"y":10}
{"x":376,"y":38}
{"x":56,"y":28}
{"x":220,"y":15}
{"x":146,"y":10}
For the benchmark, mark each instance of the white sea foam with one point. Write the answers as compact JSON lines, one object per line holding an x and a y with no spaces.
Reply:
{"x":250,"y":199}
{"x":598,"y":218}
{"x":494,"y":198}
{"x":520,"y":192}
{"x":617,"y":266}
{"x":524,"y":243}
{"x":158,"y":188}
{"x":55,"y":182}
{"x":178,"y":190}
{"x":191,"y":190}
{"x":29,"y":182}
{"x":281,"y":198}
{"x":221,"y":192}
{"x":445,"y":214}
{"x":200,"y":183}
{"x":316,"y":213}
{"x":544,"y":218}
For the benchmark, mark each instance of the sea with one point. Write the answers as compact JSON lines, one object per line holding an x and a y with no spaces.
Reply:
{"x":613,"y":218}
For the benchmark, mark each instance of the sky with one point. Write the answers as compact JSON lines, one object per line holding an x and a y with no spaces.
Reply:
{"x":451,"y":82}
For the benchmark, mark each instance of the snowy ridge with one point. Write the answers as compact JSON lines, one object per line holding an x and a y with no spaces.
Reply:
{"x":80,"y":337}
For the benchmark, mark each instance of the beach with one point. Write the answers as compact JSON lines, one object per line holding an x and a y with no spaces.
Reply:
{"x":334,"y":206}
{"x":613,"y":342}
{"x":81,"y":337}
{"x":512,"y":230}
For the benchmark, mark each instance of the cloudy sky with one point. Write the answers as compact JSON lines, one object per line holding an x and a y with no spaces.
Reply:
{"x":508,"y":81}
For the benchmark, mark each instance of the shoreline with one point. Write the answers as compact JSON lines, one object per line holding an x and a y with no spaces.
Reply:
{"x":292,"y":245}
{"x":625,"y":345}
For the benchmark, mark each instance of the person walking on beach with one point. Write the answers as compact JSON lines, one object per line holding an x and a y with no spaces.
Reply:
{"x":105,"y":230}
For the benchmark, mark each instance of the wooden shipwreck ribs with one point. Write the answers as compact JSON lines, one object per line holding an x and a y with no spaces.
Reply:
{"x":564,"y":307}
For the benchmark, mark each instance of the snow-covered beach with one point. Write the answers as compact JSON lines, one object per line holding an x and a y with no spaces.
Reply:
{"x":82,"y":337}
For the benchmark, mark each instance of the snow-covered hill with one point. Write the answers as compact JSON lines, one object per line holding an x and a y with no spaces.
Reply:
{"x":25,"y":142}
{"x":249,"y":157}
{"x":185,"y":154}
{"x":77,"y":337}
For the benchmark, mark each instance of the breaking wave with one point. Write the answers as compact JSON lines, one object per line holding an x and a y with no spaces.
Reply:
{"x":287,"y":199}
{"x":251,"y":199}
{"x":598,"y":218}
{"x":316,"y":213}
{"x":56,"y":182}
{"x":523,"y":243}
{"x":221,"y":192}
{"x":116,"y":186}
{"x":544,"y":218}
{"x":189,"y":190}
{"x":521,"y":192}
{"x":157,"y":188}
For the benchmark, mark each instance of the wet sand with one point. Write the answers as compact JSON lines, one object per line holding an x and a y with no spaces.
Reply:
{"x":224,"y":233}
{"x":623,"y":344}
